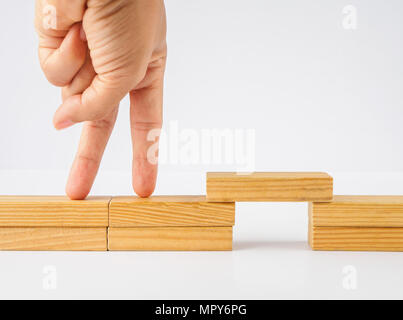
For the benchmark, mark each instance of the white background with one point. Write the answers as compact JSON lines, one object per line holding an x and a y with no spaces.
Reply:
{"x":320,"y":98}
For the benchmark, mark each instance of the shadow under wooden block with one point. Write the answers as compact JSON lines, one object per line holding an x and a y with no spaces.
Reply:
{"x":269,"y":186}
{"x":170,"y":239}
{"x":53,"y":239}
{"x":357,"y":223}
{"x":170,"y":211}
{"x":53,"y":211}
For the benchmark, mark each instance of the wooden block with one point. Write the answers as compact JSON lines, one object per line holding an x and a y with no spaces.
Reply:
{"x":358,"y":211}
{"x":269,"y":186}
{"x":53,"y":211}
{"x":165,"y":211}
{"x":170,"y":239}
{"x":51,"y":239}
{"x":356,"y":239}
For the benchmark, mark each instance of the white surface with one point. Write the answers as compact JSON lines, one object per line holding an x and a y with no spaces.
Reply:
{"x":319,"y":97}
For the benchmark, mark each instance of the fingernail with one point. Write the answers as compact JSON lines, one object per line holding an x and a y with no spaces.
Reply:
{"x":82,"y":34}
{"x":64,"y":124}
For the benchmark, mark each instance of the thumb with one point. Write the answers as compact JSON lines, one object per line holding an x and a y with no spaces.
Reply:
{"x":61,"y":64}
{"x":93,"y":104}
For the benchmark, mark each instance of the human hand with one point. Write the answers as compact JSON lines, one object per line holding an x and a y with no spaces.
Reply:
{"x":98,"y":51}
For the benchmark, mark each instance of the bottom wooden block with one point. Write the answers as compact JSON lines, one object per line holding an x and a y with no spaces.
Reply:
{"x":356,"y":239}
{"x":170,"y":239}
{"x":52,"y":239}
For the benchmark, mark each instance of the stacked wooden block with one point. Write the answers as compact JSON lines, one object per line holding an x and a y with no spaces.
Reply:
{"x":53,"y":223}
{"x":194,"y":223}
{"x":162,"y":223}
{"x":357,"y":223}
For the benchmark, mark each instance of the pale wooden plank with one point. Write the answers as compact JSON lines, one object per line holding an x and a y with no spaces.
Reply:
{"x":53,"y":239}
{"x":358,"y":211}
{"x":269,"y":186}
{"x":53,"y":211}
{"x":165,"y":211}
{"x":170,"y":239}
{"x":356,"y":239}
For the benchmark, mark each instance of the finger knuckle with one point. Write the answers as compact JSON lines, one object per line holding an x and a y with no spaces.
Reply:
{"x":146,"y":125}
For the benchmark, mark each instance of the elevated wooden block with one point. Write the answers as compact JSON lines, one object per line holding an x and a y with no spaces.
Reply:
{"x":53,"y":211}
{"x":165,"y":211}
{"x":269,"y":186}
{"x":358,"y":211}
{"x":356,"y":239}
{"x":170,"y":239}
{"x":52,"y":239}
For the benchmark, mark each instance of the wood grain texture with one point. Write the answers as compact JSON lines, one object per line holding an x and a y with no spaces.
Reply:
{"x":356,"y":239}
{"x":358,"y":211}
{"x":52,"y":239}
{"x":170,"y":239}
{"x":164,"y":211}
{"x":53,"y":211}
{"x":269,"y":186}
